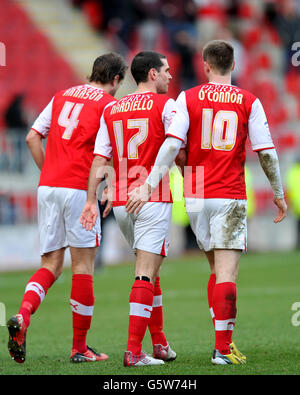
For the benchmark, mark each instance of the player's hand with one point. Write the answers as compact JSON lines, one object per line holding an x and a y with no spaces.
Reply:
{"x":107,"y":197}
{"x":282,"y":209}
{"x":89,"y":215}
{"x":137,"y":198}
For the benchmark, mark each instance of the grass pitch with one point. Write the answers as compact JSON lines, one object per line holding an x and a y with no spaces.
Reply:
{"x":266,"y":329}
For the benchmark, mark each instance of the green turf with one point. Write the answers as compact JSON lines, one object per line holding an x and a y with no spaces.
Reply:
{"x":268,"y":286}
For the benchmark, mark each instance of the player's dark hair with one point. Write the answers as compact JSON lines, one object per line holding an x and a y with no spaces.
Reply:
{"x":143,"y":62}
{"x":219,"y":55}
{"x":106,"y":67}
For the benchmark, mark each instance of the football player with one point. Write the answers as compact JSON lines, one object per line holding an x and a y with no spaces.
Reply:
{"x":131,"y":133}
{"x":70,"y":123}
{"x":214,"y":120}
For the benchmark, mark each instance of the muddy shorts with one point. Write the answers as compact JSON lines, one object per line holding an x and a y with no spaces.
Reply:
{"x":218,"y":223}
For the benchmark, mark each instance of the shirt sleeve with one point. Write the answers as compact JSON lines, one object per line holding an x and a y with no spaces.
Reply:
{"x":181,"y":121}
{"x":43,"y":122}
{"x":168,"y":113}
{"x":102,"y":144}
{"x":258,"y":128}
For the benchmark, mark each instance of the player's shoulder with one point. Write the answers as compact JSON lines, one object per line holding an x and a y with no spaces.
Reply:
{"x":194,"y":91}
{"x":162,"y":100}
{"x":86,"y":92}
{"x":249,"y":96}
{"x":162,"y":96}
{"x":70,"y":90}
{"x":108,"y":100}
{"x":108,"y":103}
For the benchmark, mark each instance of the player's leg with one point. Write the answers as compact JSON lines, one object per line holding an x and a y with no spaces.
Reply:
{"x":161,"y":347}
{"x":210,"y":291}
{"x":52,"y":249}
{"x":220,"y":224}
{"x":141,"y":295}
{"x":224,"y":303}
{"x":228,"y":224}
{"x":211,"y":283}
{"x":147,"y":234}
{"x":82,"y":303}
{"x":52,"y":246}
{"x":199,"y":220}
{"x":157,"y":218}
{"x":35,"y":292}
{"x":156,"y":320}
{"x":224,"y":297}
{"x":83,"y":248}
{"x":140,"y":302}
{"x":147,"y":265}
{"x":39,"y":284}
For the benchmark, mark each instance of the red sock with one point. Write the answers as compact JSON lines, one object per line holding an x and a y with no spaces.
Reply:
{"x":82,"y":305}
{"x":156,"y":320}
{"x":140,"y":301}
{"x":210,"y":290}
{"x":224,"y":305}
{"x":35,"y":291}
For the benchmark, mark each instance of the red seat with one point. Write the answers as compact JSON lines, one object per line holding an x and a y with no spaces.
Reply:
{"x":33,"y":65}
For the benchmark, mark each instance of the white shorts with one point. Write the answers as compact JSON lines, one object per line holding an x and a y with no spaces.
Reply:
{"x":218,"y":223}
{"x":149,"y":229}
{"x":59,"y":211}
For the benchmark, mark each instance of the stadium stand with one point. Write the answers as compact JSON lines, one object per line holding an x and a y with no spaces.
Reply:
{"x":35,"y":70}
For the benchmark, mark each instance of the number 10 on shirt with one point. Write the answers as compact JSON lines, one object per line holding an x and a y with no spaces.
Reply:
{"x":220,"y":131}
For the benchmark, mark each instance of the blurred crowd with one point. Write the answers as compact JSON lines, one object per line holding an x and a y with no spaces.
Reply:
{"x":262,"y":31}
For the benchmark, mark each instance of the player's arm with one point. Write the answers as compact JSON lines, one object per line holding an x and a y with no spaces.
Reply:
{"x":168,"y":152}
{"x":180,"y":160}
{"x":270,"y":164}
{"x":35,"y":144}
{"x":37,"y":133}
{"x":98,"y":170}
{"x":107,"y":195}
{"x":90,"y":213}
{"x":262,"y":143}
{"x":168,"y":115}
{"x":164,"y":161}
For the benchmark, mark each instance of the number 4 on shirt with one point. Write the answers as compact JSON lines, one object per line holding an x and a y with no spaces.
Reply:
{"x":68,"y":118}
